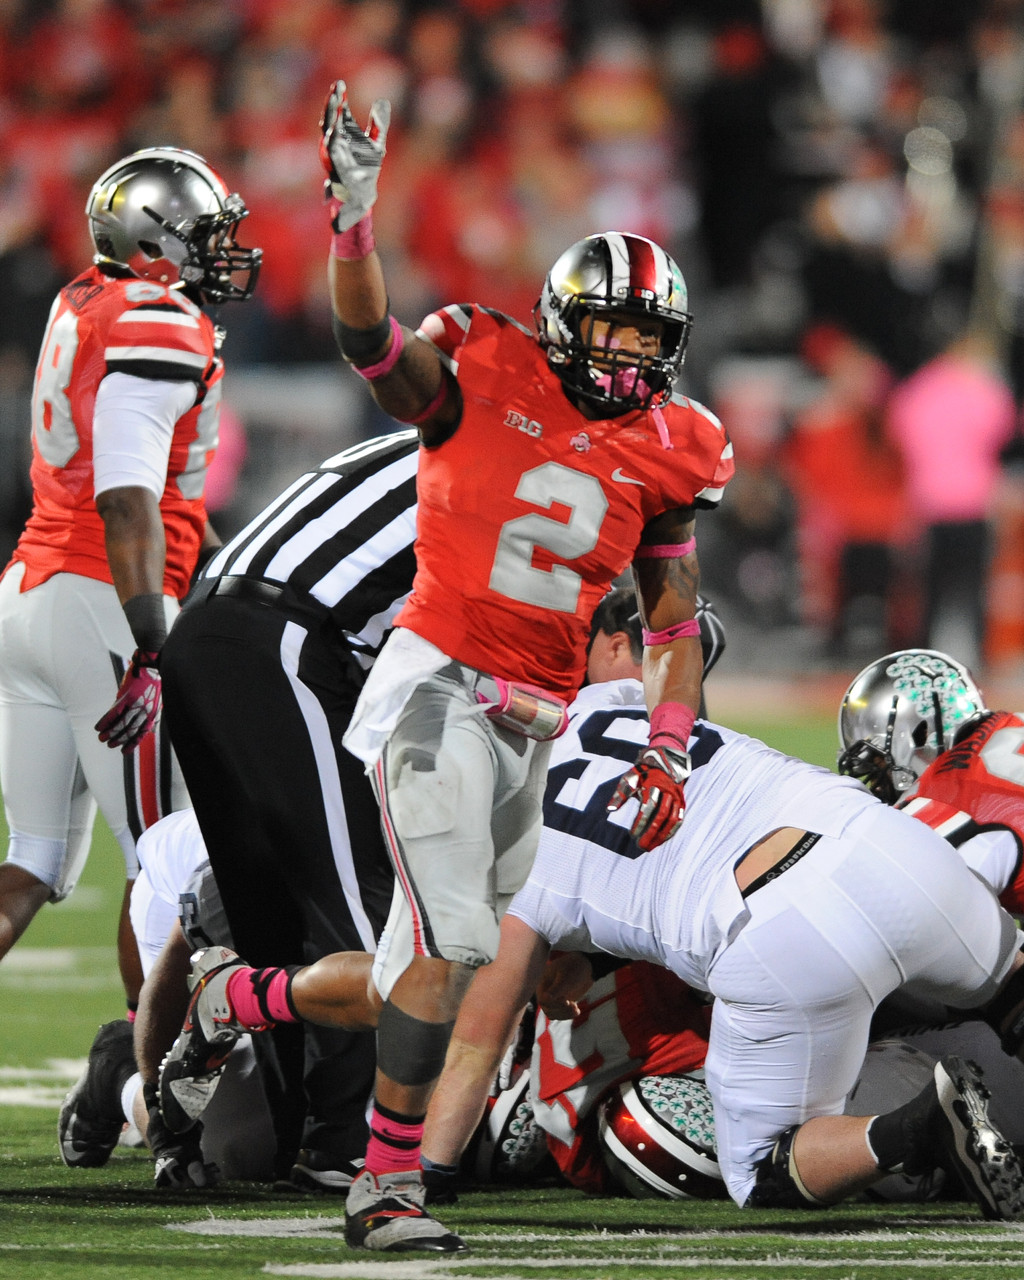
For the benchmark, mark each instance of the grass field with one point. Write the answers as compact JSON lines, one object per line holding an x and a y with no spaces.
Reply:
{"x":61,"y":981}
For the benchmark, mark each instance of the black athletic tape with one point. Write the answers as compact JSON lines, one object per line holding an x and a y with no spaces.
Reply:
{"x":145,"y":614}
{"x":410,"y":1051}
{"x":358,"y":345}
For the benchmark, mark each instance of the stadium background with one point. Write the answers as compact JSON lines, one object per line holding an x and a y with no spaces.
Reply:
{"x":834,"y":176}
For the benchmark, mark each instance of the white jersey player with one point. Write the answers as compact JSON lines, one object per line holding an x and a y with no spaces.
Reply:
{"x":799,"y":902}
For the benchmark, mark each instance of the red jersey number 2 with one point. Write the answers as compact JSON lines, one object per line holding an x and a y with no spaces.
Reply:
{"x":513,"y":573}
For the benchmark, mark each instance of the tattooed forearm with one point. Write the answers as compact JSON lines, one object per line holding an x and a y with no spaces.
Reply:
{"x":667,"y":582}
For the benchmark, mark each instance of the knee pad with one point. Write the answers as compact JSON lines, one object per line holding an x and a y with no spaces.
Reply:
{"x":48,"y":860}
{"x":778,"y":1185}
{"x":997,"y":1009}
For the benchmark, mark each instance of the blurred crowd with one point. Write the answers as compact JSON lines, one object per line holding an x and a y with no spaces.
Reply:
{"x":842,"y":182}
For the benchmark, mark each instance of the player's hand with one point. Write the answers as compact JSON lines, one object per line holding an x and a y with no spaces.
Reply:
{"x":179,"y":1158}
{"x":656,"y":780}
{"x":566,"y":979}
{"x":350,"y":157}
{"x":137,"y":704}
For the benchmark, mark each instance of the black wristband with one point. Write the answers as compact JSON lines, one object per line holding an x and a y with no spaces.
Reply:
{"x":146,"y":618}
{"x":359,"y":345}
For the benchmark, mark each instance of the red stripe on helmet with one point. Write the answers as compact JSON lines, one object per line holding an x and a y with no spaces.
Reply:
{"x":643,"y":265}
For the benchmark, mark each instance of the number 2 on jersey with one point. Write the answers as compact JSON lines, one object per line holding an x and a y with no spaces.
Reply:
{"x":513,"y":573}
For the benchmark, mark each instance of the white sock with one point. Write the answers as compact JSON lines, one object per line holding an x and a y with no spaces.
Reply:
{"x":129,"y":1093}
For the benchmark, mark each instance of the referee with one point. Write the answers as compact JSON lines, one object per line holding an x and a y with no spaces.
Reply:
{"x":261,"y":672}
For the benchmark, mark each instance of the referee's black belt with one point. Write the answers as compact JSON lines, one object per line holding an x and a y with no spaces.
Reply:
{"x":247,"y":589}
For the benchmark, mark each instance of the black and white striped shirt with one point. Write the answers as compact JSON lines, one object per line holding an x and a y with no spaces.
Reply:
{"x":341,"y":536}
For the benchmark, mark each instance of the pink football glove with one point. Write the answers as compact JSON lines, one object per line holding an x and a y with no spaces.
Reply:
{"x":351,"y":158}
{"x":656,"y":780}
{"x":137,"y":704}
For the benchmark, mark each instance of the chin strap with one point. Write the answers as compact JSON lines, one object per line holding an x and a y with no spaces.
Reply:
{"x":662,"y":425}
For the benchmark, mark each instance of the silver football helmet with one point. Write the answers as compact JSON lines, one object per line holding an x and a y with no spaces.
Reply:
{"x":166,"y":216}
{"x":899,"y":714}
{"x":613,"y":273}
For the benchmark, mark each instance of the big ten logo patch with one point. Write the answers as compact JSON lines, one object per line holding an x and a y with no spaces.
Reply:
{"x":530,"y":426}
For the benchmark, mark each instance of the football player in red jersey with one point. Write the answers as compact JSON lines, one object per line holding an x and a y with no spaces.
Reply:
{"x":124,"y":423}
{"x":915,"y":729}
{"x":550,"y":462}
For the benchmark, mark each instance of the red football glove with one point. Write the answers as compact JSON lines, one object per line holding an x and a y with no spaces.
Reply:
{"x":137,"y":704}
{"x":656,"y":780}
{"x":351,"y":158}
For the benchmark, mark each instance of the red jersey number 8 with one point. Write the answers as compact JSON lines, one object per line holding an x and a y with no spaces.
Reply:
{"x":53,"y":427}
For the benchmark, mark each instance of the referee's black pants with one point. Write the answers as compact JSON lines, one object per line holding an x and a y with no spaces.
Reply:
{"x":256,"y":699}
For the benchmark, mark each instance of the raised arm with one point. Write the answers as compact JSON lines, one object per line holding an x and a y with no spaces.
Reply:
{"x":404,"y":373}
{"x":667,"y":578}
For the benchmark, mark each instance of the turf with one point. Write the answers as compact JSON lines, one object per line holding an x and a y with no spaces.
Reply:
{"x":61,"y":982}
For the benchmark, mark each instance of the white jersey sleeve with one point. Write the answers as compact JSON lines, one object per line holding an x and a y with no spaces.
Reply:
{"x":133,"y":426}
{"x":993,"y":855}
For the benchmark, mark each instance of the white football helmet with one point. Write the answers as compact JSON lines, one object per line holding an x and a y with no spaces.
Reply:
{"x":899,"y":714}
{"x":614,"y":272}
{"x":658,"y":1139}
{"x":166,"y":216}
{"x":508,"y":1145}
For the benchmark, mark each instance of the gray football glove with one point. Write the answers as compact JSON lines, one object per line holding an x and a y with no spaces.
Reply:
{"x":350,"y":157}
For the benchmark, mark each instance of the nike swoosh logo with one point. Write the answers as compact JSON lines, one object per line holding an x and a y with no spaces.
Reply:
{"x":617,"y":474}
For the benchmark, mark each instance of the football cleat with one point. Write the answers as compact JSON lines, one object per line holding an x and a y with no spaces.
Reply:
{"x":91,"y":1119}
{"x":194,"y":1064}
{"x":385,"y":1212}
{"x":984,"y":1160}
{"x":320,"y":1171}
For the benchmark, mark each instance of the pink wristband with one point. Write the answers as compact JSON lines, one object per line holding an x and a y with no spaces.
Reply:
{"x":357,"y":242}
{"x":665,"y":550}
{"x":433,"y":407}
{"x":382,"y":367}
{"x":672,"y":720}
{"x":691,"y":627}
